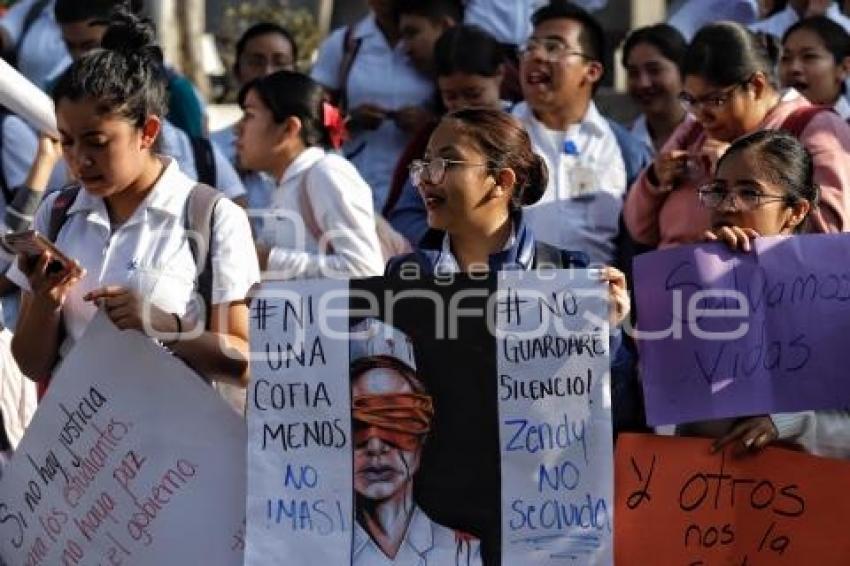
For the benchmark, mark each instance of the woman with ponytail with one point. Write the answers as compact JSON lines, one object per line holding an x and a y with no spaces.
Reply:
{"x":321,"y":220}
{"x":127,"y":224}
{"x":478,"y":173}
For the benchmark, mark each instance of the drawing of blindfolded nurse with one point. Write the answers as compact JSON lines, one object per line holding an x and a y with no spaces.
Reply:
{"x":392,"y":413}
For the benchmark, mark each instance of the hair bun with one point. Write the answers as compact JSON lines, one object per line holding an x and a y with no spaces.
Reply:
{"x":538,"y":178}
{"x":131,"y":35}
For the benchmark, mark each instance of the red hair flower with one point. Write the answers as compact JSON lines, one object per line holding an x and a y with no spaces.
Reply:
{"x":335,"y":124}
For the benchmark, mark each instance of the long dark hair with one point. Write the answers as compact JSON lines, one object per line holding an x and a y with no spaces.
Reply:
{"x":727,"y":53}
{"x":286,"y":94}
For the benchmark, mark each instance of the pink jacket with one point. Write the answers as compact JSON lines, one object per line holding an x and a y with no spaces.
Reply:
{"x":676,"y":217}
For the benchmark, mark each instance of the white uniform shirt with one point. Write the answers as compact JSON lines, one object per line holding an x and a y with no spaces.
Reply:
{"x":580,"y":209}
{"x":150,"y":252}
{"x":175,"y":143}
{"x":640,"y":130}
{"x":425,"y":544}
{"x":342,"y":207}
{"x":383,"y":76}
{"x":258,"y":186}
{"x":779,"y":23}
{"x":842,"y":107}
{"x":43,"y":54}
{"x":693,"y":14}
{"x":509,"y":21}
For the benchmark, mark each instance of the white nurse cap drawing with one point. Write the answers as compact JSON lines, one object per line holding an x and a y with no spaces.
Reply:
{"x":373,"y":338}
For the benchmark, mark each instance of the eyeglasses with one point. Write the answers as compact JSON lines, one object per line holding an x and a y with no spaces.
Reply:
{"x":434,"y":170}
{"x":713,"y":101}
{"x":554,"y":49}
{"x":745,"y":199}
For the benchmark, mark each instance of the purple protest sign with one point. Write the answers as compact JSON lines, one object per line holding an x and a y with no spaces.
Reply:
{"x":724,"y":334}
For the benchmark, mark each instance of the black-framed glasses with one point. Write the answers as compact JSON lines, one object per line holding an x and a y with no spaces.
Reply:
{"x":434,"y":170}
{"x":554,"y":48}
{"x":713,"y":101}
{"x":745,"y":199}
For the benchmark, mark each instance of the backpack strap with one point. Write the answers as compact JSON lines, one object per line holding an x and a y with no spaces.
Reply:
{"x":350,"y":47}
{"x":548,"y":256}
{"x":799,"y":119}
{"x":59,"y":211}
{"x":308,"y":214}
{"x":202,"y":151}
{"x":198,"y":222}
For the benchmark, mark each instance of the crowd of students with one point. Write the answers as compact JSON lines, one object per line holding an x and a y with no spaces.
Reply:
{"x":424,"y":136}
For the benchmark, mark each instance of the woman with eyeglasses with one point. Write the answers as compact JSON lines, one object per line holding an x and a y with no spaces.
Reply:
{"x":764,"y":186}
{"x":469,"y":66}
{"x":731,"y":91}
{"x":478,"y":172}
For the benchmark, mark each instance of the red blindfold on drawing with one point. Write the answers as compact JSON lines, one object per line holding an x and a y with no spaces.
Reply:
{"x":399,"y":419}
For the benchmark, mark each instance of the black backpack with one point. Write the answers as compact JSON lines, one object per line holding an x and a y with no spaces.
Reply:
{"x":202,"y":151}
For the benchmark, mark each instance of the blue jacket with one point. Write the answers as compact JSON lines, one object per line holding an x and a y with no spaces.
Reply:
{"x":526,"y":253}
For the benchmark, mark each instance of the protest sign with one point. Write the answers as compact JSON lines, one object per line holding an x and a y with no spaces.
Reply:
{"x":446,"y":442}
{"x":725,"y":334}
{"x":130,"y":459}
{"x":555,"y":421}
{"x":299,"y":419}
{"x":677,"y":503}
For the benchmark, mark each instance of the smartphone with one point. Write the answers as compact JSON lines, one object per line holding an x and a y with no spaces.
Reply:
{"x":31,"y":244}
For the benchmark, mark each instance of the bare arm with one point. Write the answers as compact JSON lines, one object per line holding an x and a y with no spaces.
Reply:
{"x":220,"y":353}
{"x":35,"y":345}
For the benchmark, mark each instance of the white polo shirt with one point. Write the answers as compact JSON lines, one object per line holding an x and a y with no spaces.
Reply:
{"x":779,"y":23}
{"x":43,"y":54}
{"x":341,"y":205}
{"x":381,"y":75}
{"x":580,"y":209}
{"x":175,"y":143}
{"x":150,"y":252}
{"x":509,"y":21}
{"x":640,"y":130}
{"x":842,"y":108}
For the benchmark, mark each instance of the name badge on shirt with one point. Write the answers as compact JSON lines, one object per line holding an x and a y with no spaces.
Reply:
{"x":583,"y":180}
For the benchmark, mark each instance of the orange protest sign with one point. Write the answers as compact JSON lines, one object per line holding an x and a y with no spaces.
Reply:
{"x":679,"y":504}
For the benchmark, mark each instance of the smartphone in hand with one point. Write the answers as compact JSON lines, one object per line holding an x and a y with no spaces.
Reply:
{"x":32,"y":245}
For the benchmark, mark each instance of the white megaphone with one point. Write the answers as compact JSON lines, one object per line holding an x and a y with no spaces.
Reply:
{"x":26,"y":100}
